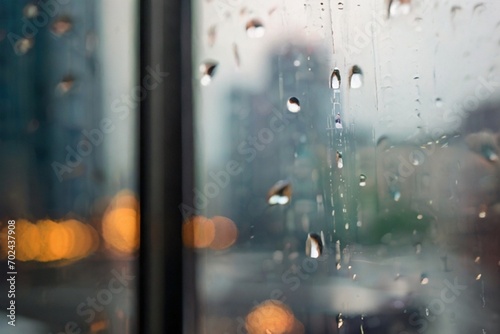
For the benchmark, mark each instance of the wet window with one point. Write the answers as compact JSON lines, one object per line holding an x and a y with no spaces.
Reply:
{"x":69,"y":203}
{"x":354,"y":148}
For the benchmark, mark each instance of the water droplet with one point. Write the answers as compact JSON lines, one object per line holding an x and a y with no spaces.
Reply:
{"x":255,"y":29}
{"x":340,"y":5}
{"x":418,"y":248}
{"x":477,"y":259}
{"x":236,"y":55}
{"x":362,"y":180}
{"x":207,"y":70}
{"x":346,"y":226}
{"x":399,"y":7}
{"x":419,"y":216}
{"x":212,"y":35}
{"x":482,"y":210}
{"x":62,"y":25}
{"x":356,"y":80}
{"x":30,"y":10}
{"x":280,"y":193}
{"x":479,"y":8}
{"x":354,"y":277}
{"x":340,"y":320}
{"x":424,"y":280}
{"x":23,"y":45}
{"x":66,"y":84}
{"x":293,"y":104}
{"x":455,"y":10}
{"x":335,"y":79}
{"x":396,"y":195}
{"x":439,"y":103}
{"x":359,"y":223}
{"x":314,"y":245}
{"x":478,"y":277}
{"x":296,"y":63}
{"x":490,"y":154}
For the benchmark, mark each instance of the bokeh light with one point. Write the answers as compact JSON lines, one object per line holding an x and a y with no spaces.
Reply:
{"x":121,"y":223}
{"x":271,"y":316}
{"x":198,"y":232}
{"x":226,"y":233}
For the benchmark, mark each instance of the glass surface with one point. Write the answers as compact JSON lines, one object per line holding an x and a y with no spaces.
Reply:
{"x":69,"y":223}
{"x":347,"y":176}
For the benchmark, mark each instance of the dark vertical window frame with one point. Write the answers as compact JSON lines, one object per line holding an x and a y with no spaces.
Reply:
{"x":166,"y":168}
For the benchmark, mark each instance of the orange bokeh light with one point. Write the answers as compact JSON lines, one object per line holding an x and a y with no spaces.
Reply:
{"x":271,"y":316}
{"x":226,"y":233}
{"x":198,"y":232}
{"x":121,"y":223}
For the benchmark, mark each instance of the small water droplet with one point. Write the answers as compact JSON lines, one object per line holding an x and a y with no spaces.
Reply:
{"x":23,"y":45}
{"x":340,"y":320}
{"x":359,"y":223}
{"x":354,"y":277}
{"x":399,"y":7}
{"x":396,"y":195}
{"x":296,"y":63}
{"x":255,"y":29}
{"x":439,"y":102}
{"x":335,"y":79}
{"x":477,"y":259}
{"x":62,"y":25}
{"x":30,"y":10}
{"x":418,"y":248}
{"x":314,"y":245}
{"x":419,"y":216}
{"x":338,"y":266}
{"x":280,"y":193}
{"x":424,"y":280}
{"x":478,"y":277}
{"x":346,"y":226}
{"x":482,"y":210}
{"x":479,"y":8}
{"x":66,"y":84}
{"x":340,"y":5}
{"x":207,"y":70}
{"x":490,"y":154}
{"x":212,"y":35}
{"x":356,"y":80}
{"x":362,"y":180}
{"x":293,"y":104}
{"x":455,"y":10}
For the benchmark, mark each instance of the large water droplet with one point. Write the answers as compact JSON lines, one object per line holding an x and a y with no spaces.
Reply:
{"x":314,"y":245}
{"x":362,"y":180}
{"x":293,"y":104}
{"x":280,"y":193}
{"x":340,"y":320}
{"x":356,"y":80}
{"x":255,"y":29}
{"x":335,"y":79}
{"x":399,"y":7}
{"x":207,"y":70}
